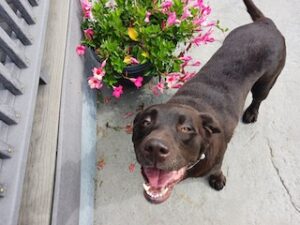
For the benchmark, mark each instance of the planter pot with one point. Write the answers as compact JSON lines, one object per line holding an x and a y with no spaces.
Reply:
{"x":132,"y":71}
{"x":135,"y":71}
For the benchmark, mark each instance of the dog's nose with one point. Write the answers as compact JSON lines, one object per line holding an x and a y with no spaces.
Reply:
{"x":157,"y":149}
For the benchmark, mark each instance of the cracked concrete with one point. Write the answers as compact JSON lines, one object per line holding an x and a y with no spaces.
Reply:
{"x":262,"y":162}
{"x":281,"y":179}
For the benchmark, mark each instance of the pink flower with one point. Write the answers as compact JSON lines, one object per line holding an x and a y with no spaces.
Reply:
{"x":131,"y":167}
{"x":103,"y":64}
{"x":130,"y":60}
{"x":89,"y":33}
{"x":172,"y":80}
{"x":87,"y":14}
{"x":199,"y":4}
{"x":186,"y":13}
{"x":199,"y":21}
{"x":98,"y":73}
{"x":196,"y":63}
{"x":86,"y":8}
{"x":172,"y":19}
{"x":134,"y":60}
{"x":208,"y":24}
{"x":80,"y":49}
{"x":166,"y":5}
{"x":86,"y":5}
{"x":118,"y":91}
{"x":94,"y":83}
{"x":203,"y":22}
{"x":206,"y":10}
{"x":204,"y":39}
{"x":185,"y":60}
{"x":178,"y":85}
{"x":147,"y":19}
{"x":158,"y":89}
{"x":187,"y":76}
{"x":138,"y":82}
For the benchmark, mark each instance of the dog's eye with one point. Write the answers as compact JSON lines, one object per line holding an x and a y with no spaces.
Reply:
{"x":186,"y":129}
{"x":146,"y":122}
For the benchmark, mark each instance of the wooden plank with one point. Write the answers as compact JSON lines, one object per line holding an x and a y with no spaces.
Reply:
{"x":12,"y":50}
{"x":44,"y":77}
{"x":16,"y":24}
{"x":25,"y":9}
{"x":38,"y":187}
{"x":76,"y":150}
{"x":11,"y":83}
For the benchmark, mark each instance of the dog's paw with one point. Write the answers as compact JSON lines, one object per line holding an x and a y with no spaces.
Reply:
{"x":217,"y":182}
{"x":250,"y":115}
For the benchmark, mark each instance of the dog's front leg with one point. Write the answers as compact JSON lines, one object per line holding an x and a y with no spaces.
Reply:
{"x":217,"y":180}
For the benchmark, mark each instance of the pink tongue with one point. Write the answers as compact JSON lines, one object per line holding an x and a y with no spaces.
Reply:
{"x":159,"y":178}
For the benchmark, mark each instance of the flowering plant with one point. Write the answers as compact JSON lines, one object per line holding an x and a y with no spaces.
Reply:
{"x":125,"y":33}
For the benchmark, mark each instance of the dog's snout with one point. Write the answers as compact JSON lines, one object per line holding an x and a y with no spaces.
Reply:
{"x":157,"y":149}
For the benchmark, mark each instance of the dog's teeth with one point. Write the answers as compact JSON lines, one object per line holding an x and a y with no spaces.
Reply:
{"x":146,"y":187}
{"x":164,"y":191}
{"x":152,"y":195}
{"x":155,"y":195}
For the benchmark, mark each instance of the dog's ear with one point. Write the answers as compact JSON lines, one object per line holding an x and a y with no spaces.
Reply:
{"x":210,"y":124}
{"x":135,"y":127}
{"x":136,"y":118}
{"x":139,"y":111}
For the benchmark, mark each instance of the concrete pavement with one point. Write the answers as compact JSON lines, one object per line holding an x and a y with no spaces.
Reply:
{"x":262,"y":163}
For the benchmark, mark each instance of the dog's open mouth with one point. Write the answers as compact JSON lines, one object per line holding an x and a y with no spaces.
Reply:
{"x":159,"y":183}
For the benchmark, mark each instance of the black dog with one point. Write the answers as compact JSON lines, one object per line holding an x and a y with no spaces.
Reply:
{"x":188,"y":135}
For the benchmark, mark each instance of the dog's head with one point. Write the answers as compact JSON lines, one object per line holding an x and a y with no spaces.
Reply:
{"x":168,"y":139}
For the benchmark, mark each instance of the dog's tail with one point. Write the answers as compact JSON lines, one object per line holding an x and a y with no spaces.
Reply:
{"x":254,"y":12}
